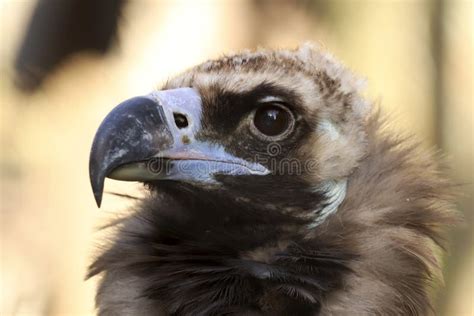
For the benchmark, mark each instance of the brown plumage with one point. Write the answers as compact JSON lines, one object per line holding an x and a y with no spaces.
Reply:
{"x":269,"y":245}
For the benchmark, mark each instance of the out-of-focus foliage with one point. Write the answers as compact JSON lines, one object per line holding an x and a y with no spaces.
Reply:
{"x":416,"y":54}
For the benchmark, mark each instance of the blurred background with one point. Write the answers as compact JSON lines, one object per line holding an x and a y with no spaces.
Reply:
{"x":64,"y":64}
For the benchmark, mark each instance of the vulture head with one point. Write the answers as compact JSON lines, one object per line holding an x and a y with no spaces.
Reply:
{"x":273,"y":189}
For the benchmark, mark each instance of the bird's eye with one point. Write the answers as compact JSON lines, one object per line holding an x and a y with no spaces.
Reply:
{"x":273,"y":120}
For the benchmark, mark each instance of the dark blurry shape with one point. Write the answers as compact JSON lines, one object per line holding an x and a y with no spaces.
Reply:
{"x":60,"y":28}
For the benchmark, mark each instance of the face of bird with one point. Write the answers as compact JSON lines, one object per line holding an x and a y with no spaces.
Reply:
{"x":264,"y":130}
{"x":245,"y":156}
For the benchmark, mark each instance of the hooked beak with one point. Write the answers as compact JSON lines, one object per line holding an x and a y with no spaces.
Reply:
{"x":152,"y":138}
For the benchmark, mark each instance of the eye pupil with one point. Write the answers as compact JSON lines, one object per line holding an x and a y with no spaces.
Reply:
{"x":272,"y":120}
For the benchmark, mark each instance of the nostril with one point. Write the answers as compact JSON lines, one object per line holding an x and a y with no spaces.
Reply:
{"x":180,"y":120}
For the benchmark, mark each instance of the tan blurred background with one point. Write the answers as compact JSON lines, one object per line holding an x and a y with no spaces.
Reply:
{"x":417,"y":56}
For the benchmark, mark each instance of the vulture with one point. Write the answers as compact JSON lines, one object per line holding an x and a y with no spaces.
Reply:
{"x":273,"y":187}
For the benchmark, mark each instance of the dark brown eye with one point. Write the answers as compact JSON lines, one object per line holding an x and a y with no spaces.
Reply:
{"x":273,"y":120}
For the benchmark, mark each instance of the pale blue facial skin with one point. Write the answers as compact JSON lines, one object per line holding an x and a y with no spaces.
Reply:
{"x":139,"y":131}
{"x":194,"y":162}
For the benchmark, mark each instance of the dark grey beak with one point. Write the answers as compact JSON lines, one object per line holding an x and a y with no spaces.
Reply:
{"x":135,"y":129}
{"x":153,"y":138}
